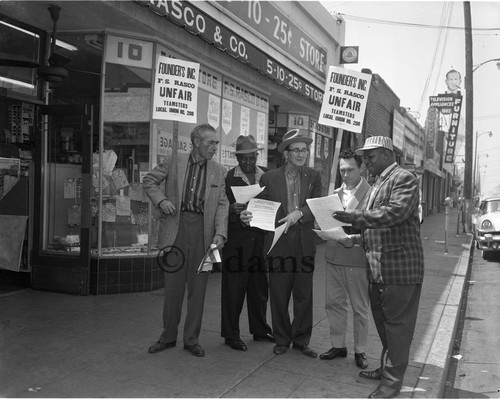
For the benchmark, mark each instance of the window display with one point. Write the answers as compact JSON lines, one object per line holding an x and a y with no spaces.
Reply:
{"x":65,"y":131}
{"x":124,"y":159}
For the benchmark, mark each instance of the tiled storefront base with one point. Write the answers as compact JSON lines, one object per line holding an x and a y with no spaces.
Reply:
{"x":124,"y":275}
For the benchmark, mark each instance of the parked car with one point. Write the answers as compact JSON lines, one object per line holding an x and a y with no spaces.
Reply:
{"x":487,"y":227}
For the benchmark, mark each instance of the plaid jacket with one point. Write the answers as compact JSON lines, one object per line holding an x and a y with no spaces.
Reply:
{"x":391,"y":229}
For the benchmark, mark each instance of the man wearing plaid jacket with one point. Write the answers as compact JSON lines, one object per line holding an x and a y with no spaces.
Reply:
{"x":391,"y":237}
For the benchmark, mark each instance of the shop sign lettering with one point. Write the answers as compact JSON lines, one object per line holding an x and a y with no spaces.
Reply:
{"x":126,"y":51}
{"x":186,"y":15}
{"x":276,"y":27}
{"x":443,"y":102}
{"x":165,"y":141}
{"x":431,"y":129}
{"x":453,"y":131}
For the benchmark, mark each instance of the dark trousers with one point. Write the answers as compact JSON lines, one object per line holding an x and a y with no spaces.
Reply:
{"x":189,"y":242}
{"x":238,"y":281}
{"x":289,"y":276}
{"x":395,"y":309}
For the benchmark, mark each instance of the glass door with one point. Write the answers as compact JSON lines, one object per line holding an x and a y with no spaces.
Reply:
{"x":62,"y":249}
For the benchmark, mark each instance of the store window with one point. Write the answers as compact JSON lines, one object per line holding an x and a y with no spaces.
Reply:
{"x":65,"y":129}
{"x":121,"y":157}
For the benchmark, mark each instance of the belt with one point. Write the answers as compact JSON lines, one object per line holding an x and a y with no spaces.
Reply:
{"x":191,"y":212}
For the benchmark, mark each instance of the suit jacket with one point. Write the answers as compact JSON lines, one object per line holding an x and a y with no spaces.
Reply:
{"x":276,"y":190}
{"x":391,"y":229}
{"x":216,"y":206}
{"x":243,"y":241}
{"x":336,"y":253}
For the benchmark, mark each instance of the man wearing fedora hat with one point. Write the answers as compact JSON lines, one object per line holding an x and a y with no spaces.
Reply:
{"x":242,"y":274}
{"x":291,"y":261}
{"x":390,"y":229}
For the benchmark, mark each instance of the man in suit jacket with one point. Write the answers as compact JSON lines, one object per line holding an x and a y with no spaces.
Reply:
{"x":346,"y":270}
{"x":243,"y":272}
{"x":194,"y":211}
{"x":291,"y":261}
{"x":391,"y":238}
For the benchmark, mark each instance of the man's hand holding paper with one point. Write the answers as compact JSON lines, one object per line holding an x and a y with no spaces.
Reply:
{"x":243,"y":194}
{"x":323,"y":209}
{"x":262,"y":214}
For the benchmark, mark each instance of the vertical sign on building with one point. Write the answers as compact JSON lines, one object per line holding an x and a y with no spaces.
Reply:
{"x":453,"y":131}
{"x":175,"y":90}
{"x":431,"y":130}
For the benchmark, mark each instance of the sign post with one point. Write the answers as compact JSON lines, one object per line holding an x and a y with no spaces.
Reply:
{"x":344,"y":106}
{"x":175,"y":98}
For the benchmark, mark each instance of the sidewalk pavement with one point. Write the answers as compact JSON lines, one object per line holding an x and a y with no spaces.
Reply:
{"x":58,"y":345}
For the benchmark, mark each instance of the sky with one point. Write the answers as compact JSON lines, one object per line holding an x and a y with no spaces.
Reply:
{"x":412,"y":45}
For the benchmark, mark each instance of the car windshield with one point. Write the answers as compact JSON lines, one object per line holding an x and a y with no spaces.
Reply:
{"x":491,"y":206}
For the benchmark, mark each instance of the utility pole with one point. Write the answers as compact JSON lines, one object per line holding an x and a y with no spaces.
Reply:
{"x":469,"y":115}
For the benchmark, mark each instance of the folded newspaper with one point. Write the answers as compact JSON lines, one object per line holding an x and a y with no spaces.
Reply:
{"x":211,"y":257}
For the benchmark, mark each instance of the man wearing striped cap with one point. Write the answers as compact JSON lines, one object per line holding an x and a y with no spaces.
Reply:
{"x":390,"y":229}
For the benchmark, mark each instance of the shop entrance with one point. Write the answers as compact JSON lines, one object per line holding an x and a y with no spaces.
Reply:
{"x":61,"y":259}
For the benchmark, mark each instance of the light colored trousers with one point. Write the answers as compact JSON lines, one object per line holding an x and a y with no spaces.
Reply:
{"x":341,"y":282}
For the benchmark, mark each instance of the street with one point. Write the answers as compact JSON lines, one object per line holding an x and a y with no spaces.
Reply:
{"x":474,"y":370}
{"x":59,"y":345}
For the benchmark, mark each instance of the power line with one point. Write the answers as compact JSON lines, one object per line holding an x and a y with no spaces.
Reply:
{"x":442,"y":36}
{"x":411,"y":24}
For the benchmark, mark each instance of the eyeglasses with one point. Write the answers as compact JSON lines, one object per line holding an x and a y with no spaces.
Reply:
{"x":299,"y":151}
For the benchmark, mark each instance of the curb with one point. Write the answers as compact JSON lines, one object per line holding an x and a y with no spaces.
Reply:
{"x":432,"y":379}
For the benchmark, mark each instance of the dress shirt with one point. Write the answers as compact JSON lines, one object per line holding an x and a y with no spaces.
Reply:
{"x":347,"y":194}
{"x":193,"y":193}
{"x":292,"y":177}
{"x":238,"y":173}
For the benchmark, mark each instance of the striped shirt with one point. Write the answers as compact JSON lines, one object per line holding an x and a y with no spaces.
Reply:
{"x":292,"y":187}
{"x":193,"y":192}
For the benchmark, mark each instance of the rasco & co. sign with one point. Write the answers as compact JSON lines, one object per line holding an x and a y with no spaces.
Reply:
{"x":199,"y":23}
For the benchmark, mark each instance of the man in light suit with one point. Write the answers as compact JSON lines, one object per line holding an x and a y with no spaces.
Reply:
{"x":194,"y":211}
{"x":291,"y":261}
{"x":391,"y":238}
{"x":346,"y":269}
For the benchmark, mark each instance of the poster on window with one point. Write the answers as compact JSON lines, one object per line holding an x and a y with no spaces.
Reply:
{"x":245,"y":121}
{"x":261,"y":127}
{"x":227,"y":115}
{"x":344,"y":102}
{"x":175,"y":90}
{"x":213,"y":111}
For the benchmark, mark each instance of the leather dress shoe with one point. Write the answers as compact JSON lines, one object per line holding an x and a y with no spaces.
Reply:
{"x":307,"y":351}
{"x":236,"y":344}
{"x":361,"y":360}
{"x":195,"y":349}
{"x":334,"y":352}
{"x":268,"y":337}
{"x":376,"y":374}
{"x":280,"y":349}
{"x":384,"y":392}
{"x":159,"y":346}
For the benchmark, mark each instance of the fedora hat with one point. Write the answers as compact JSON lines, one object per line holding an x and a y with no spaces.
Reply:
{"x":246,"y":144}
{"x":376,"y":142}
{"x":293,"y":136}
